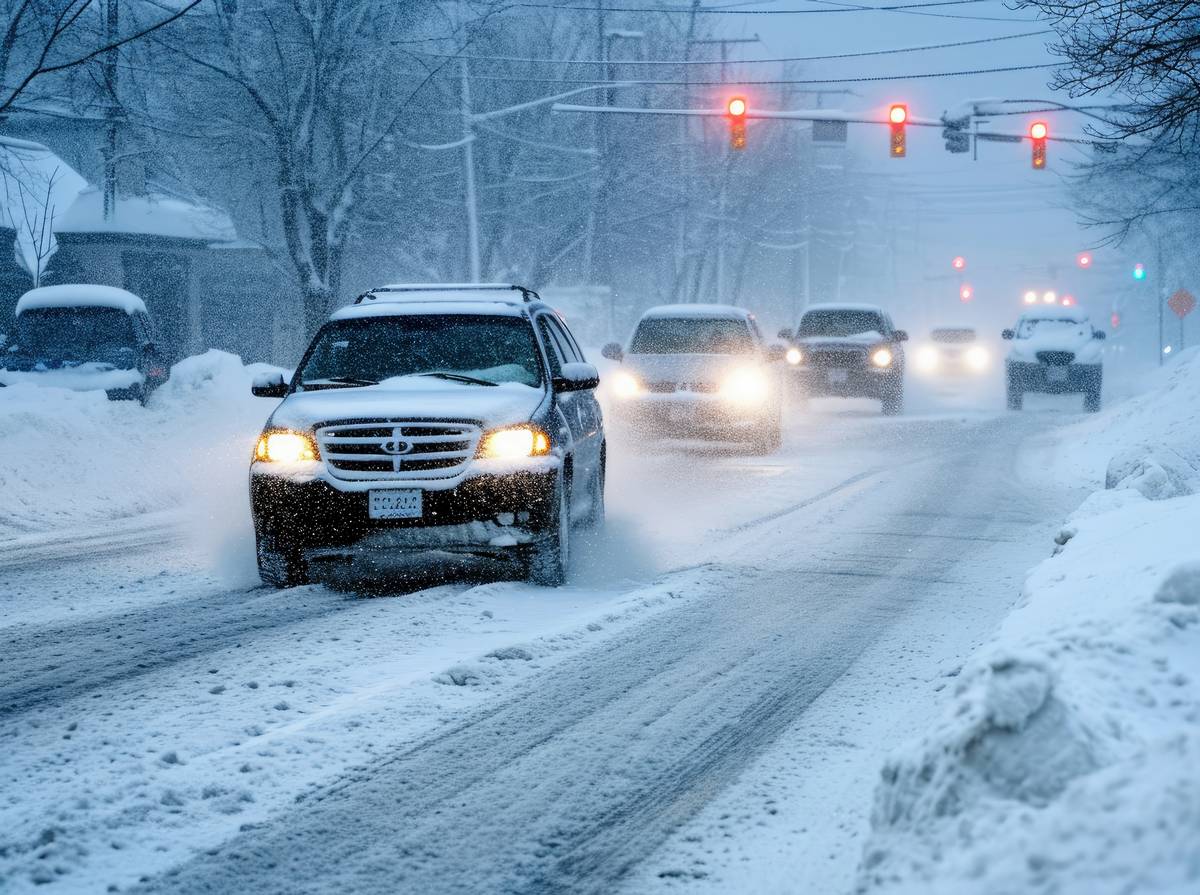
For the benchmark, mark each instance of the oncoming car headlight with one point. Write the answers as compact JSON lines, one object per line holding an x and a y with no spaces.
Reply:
{"x":882,"y":358}
{"x":928,"y":358}
{"x":626,"y":385}
{"x":285,"y":446}
{"x":745,"y":387}
{"x":514,"y":443}
{"x":977,"y":357}
{"x":794,"y":356}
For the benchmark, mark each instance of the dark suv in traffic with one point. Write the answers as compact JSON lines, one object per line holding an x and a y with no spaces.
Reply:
{"x":849,"y":351}
{"x":428,"y":418}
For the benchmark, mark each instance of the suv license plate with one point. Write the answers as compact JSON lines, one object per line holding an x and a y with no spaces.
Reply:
{"x":1056,"y":374}
{"x":394,"y":504}
{"x":837,"y":377}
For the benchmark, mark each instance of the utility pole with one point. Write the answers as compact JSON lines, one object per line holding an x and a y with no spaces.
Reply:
{"x":111,"y":111}
{"x":472,"y":207}
{"x":723,"y":191}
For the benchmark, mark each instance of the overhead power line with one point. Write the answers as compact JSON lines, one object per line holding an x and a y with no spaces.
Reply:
{"x":728,"y":11}
{"x":780,"y":59}
{"x":914,"y":76}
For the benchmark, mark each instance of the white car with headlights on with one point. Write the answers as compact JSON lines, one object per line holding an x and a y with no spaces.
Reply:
{"x":699,"y":371}
{"x":953,"y":353}
{"x":430,"y":419}
{"x":1055,"y":350}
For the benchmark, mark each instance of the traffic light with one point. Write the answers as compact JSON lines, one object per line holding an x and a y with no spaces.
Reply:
{"x":959,"y":262}
{"x":1114,"y":320}
{"x":1139,"y":271}
{"x":1084,"y":260}
{"x":954,"y":132}
{"x":965,"y":292}
{"x":897,"y":116}
{"x":735,"y":110}
{"x":1037,"y":133}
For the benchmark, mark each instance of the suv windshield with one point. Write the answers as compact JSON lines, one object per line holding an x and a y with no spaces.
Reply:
{"x":82,"y":335}
{"x":1051,"y":326}
{"x":691,"y":335}
{"x":839,"y":324}
{"x":952,"y":336}
{"x":462,"y":347}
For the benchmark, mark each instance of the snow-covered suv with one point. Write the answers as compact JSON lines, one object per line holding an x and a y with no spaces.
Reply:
{"x":423,"y":418}
{"x":1055,"y":350}
{"x":849,"y":351}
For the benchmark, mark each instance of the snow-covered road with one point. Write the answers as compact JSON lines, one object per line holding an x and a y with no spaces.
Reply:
{"x":160,"y":726}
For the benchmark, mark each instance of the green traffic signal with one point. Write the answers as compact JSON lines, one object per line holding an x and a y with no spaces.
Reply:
{"x":1139,"y":271}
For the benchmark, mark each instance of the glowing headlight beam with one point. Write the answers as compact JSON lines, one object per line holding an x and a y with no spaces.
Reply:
{"x":882,"y":358}
{"x":285,"y":447}
{"x":514,"y":443}
{"x":977,"y":357}
{"x":793,"y":356}
{"x":745,"y":387}
{"x":626,"y":385}
{"x":928,"y":359}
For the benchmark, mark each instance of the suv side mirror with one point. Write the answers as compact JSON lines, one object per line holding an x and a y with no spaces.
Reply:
{"x":270,"y":388}
{"x":787,"y":334}
{"x":613,"y":351}
{"x":1008,"y":334}
{"x":899,"y":336}
{"x":776,"y":353}
{"x":1099,"y":334}
{"x":576,"y":378}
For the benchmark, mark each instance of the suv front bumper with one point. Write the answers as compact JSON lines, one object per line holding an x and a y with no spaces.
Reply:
{"x":1037,"y":377}
{"x":858,"y":382}
{"x":483,"y":514}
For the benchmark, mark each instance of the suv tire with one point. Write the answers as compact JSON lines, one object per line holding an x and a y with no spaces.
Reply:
{"x":1016,"y":396}
{"x":546,"y":562}
{"x":1091,"y":397}
{"x":280,"y":564}
{"x":595,"y":516}
{"x":769,"y":436}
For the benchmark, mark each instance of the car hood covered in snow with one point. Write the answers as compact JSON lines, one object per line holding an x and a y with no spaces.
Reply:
{"x":686,"y":367}
{"x":857,"y":340}
{"x":411,"y":398}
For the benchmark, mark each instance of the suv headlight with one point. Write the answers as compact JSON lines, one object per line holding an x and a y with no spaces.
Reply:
{"x":626,"y":385}
{"x":285,"y":446}
{"x":514,"y":443}
{"x":882,"y":357}
{"x":794,"y":356}
{"x":977,"y":357}
{"x":745,"y":387}
{"x":928,"y":358}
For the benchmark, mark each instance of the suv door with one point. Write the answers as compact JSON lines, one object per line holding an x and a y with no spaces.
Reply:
{"x":580,"y":410}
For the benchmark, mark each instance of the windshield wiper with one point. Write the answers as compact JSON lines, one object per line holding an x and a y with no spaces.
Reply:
{"x":334,"y":381}
{"x":459,"y":377}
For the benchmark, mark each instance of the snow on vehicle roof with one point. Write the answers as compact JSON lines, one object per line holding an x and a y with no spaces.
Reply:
{"x":80,"y":295}
{"x":837,"y":306}
{"x":1054,"y":312}
{"x":461,"y":304}
{"x":728,"y":311}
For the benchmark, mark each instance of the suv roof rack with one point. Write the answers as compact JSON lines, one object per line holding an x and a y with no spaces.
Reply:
{"x":395,"y":290}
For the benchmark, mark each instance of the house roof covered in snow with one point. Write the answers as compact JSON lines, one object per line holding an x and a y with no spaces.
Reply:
{"x":80,"y":295}
{"x":149,"y":215}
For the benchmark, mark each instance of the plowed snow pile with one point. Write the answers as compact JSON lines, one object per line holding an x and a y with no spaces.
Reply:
{"x":1068,"y":760}
{"x":69,"y":458}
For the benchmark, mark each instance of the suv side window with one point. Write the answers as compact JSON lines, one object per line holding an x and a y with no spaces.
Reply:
{"x":758,"y":336}
{"x":554,"y":353}
{"x":561,"y":325}
{"x":563,"y":348}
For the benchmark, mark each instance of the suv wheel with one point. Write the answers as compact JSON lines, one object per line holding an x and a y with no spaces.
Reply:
{"x":546,"y":563}
{"x":1091,"y":397}
{"x":1016,"y":397}
{"x":595,"y":516}
{"x":768,"y":437}
{"x":893,"y":400}
{"x":280,"y":564}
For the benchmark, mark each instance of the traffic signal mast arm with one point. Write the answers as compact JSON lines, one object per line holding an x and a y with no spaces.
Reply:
{"x":751,"y":112}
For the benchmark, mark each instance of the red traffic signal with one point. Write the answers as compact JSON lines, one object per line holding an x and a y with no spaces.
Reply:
{"x":966,"y":293}
{"x":1115,"y":320}
{"x":1084,"y":260}
{"x":735,"y":110}
{"x":959,"y":262}
{"x":1038,"y":131}
{"x":897,"y":117}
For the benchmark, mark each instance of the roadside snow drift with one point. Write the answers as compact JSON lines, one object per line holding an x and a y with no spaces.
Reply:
{"x":1069,"y":758}
{"x":69,"y":458}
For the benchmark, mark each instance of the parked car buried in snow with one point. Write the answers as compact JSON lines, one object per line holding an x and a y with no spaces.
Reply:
{"x":699,"y":371}
{"x":1054,"y":350}
{"x":426,"y":418}
{"x":85,"y":338}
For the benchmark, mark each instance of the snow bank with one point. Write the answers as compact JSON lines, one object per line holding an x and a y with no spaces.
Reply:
{"x":1067,"y":760}
{"x":69,"y":458}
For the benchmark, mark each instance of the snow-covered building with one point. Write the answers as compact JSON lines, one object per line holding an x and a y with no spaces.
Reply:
{"x":204,"y":286}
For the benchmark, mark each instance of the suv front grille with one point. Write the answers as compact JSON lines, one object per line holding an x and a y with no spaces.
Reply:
{"x":397,"y":449}
{"x":837,"y":357}
{"x":1055,"y":358}
{"x":661,"y":388}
